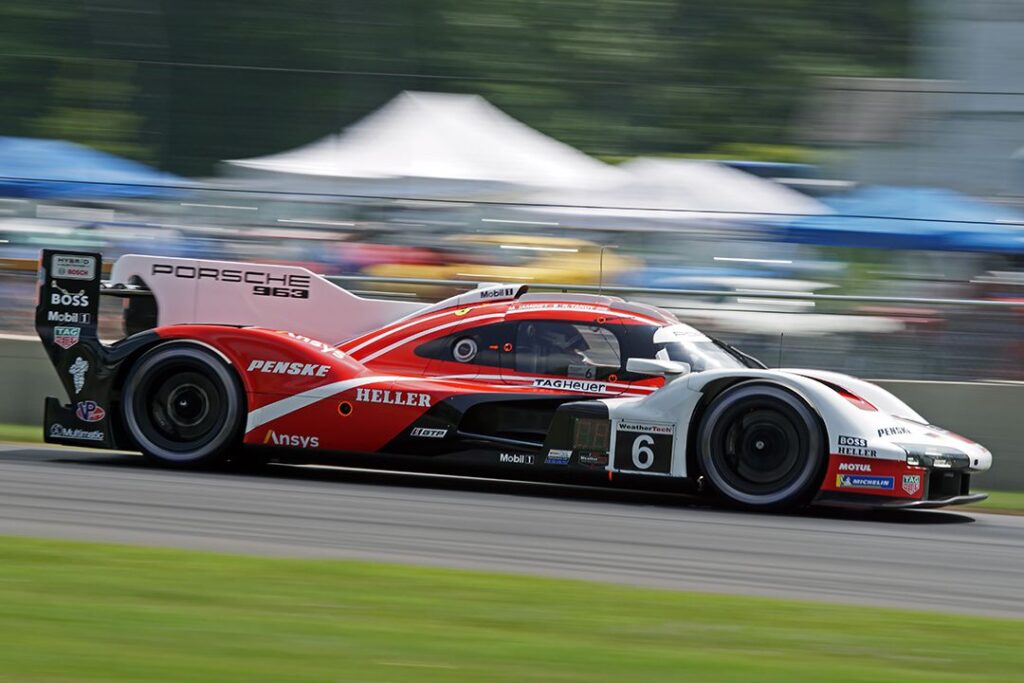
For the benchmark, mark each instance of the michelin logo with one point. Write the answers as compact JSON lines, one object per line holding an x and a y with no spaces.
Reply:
{"x":857,"y":481}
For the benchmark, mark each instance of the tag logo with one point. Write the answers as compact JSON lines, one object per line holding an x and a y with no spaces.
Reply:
{"x":911,"y":483}
{"x":571,"y":385}
{"x":66,"y":337}
{"x":77,"y":372}
{"x":68,"y":267}
{"x":90,"y":411}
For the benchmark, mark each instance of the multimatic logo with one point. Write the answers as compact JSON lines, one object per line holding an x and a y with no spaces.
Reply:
{"x":59,"y":431}
{"x":286,"y":285}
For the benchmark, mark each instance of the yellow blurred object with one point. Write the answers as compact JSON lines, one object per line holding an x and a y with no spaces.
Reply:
{"x":515,"y":258}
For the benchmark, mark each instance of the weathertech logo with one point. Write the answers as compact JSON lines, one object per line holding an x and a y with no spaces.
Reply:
{"x":275,"y":367}
{"x":295,"y":440}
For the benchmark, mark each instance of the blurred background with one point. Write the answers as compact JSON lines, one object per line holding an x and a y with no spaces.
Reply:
{"x":850,"y":174}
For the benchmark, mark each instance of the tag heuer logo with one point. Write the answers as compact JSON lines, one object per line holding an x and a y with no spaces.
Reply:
{"x":66,"y":337}
{"x":911,"y":483}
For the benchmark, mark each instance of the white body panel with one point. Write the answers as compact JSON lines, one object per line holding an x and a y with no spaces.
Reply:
{"x":883,"y":429}
{"x":223,"y":292}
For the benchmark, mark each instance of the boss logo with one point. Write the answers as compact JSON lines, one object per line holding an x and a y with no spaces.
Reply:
{"x":286,"y":285}
{"x":275,"y":367}
{"x":62,"y":297}
{"x":854,"y":441}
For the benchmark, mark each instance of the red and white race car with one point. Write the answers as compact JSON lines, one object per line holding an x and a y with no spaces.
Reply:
{"x":233,"y":360}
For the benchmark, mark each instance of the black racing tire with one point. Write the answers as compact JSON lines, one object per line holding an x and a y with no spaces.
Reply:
{"x":183,"y":405}
{"x":762,"y":447}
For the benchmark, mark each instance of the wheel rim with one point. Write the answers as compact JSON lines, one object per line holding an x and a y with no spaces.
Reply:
{"x":180,"y":407}
{"x":759,"y":450}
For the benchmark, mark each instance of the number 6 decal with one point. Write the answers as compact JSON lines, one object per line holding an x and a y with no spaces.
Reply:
{"x":643,"y":447}
{"x":643,"y":456}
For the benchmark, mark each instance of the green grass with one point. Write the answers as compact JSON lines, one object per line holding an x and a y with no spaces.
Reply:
{"x":1001,"y":501}
{"x":85,"y":612}
{"x":21,"y":433}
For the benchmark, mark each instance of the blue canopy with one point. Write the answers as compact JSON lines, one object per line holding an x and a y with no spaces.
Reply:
{"x":55,"y":169}
{"x":910,"y":218}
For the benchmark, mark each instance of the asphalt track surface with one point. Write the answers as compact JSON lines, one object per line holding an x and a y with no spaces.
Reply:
{"x":933,"y":560}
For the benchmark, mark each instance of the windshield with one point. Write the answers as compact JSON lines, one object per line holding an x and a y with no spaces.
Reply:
{"x":701,"y":355}
{"x":686,"y":344}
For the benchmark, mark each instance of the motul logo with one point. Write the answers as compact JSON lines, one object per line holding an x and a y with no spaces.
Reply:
{"x":854,"y":467}
{"x":295,"y":440}
{"x":274,"y":367}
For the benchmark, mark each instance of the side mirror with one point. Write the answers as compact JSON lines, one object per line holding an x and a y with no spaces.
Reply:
{"x":654,"y":366}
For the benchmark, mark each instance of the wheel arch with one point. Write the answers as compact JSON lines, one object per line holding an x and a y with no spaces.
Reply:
{"x":717,"y":387}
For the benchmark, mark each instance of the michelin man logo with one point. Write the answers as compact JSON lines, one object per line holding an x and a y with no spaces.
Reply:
{"x":77,"y":372}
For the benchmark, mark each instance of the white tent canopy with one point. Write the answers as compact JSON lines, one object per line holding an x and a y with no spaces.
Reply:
{"x":445,"y":137}
{"x":680,"y":189}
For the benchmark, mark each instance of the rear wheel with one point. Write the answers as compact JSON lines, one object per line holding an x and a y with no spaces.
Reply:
{"x":183,"y":405}
{"x":762,"y":447}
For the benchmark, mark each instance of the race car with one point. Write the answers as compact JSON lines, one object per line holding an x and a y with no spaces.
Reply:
{"x":229,"y":361}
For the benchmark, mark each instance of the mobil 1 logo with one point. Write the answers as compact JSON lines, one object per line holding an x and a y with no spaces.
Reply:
{"x":644,"y":447}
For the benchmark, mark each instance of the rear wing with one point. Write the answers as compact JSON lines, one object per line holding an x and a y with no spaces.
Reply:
{"x":265,"y":295}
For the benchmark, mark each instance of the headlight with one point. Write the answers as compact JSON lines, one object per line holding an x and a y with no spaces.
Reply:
{"x":939,"y":457}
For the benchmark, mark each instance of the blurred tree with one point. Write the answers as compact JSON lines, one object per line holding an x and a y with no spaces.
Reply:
{"x":202,"y":80}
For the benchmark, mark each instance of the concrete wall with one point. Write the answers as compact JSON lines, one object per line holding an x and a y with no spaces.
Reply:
{"x":990,"y":413}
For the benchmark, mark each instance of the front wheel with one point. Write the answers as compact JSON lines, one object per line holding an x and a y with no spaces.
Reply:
{"x":183,"y":405}
{"x":762,"y":447}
